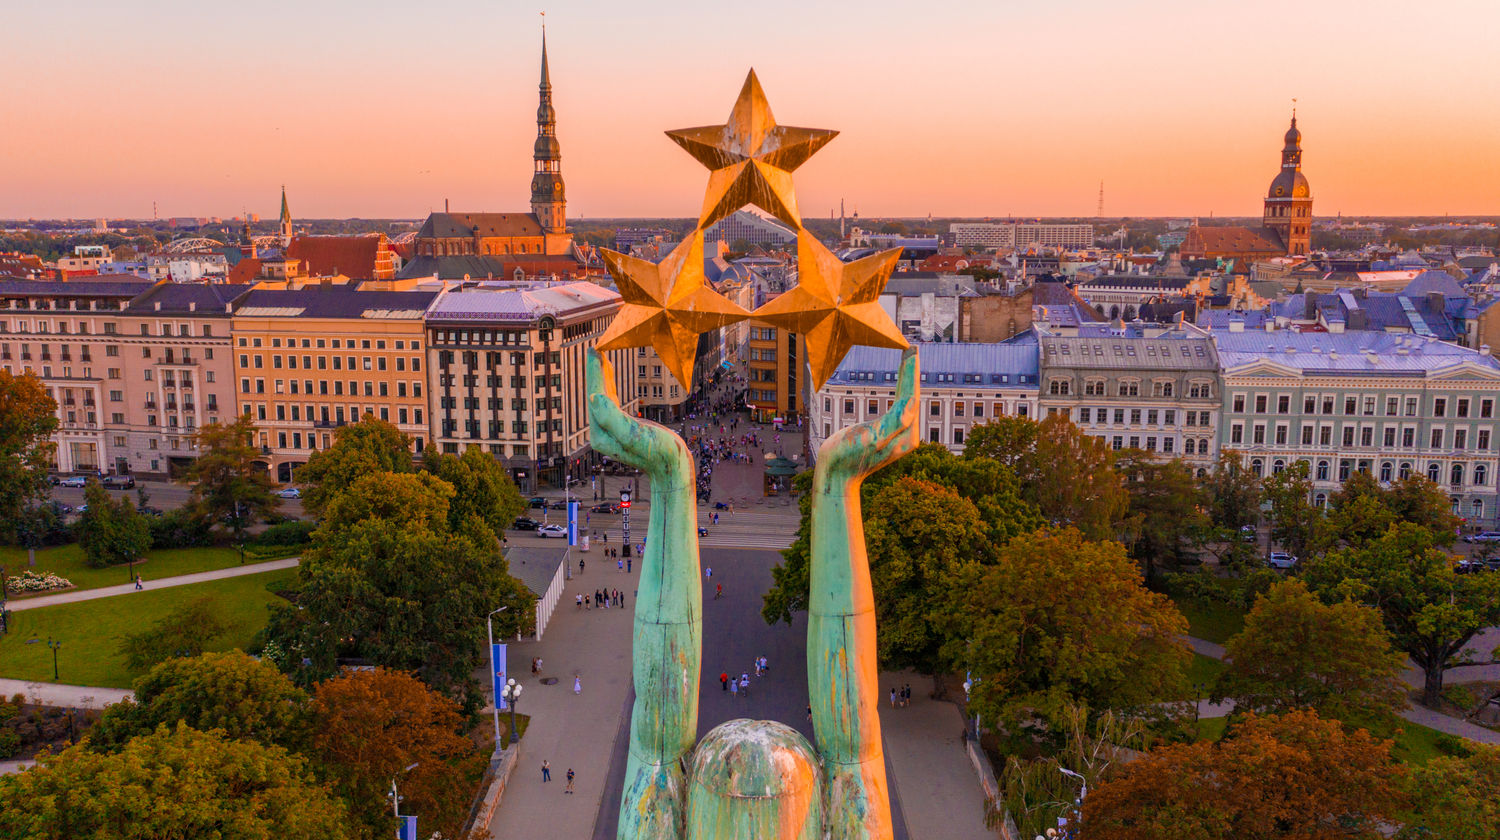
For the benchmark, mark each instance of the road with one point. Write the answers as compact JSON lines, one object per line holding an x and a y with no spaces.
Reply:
{"x":162,"y":494}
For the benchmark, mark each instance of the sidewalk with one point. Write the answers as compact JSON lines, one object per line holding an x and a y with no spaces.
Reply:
{"x":931,"y":774}
{"x":51,"y":694}
{"x":162,"y":583}
{"x":569,"y":730}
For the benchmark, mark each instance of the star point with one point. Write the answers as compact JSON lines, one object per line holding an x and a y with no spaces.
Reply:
{"x":835,"y":305}
{"x":751,"y":158}
{"x":666,"y":305}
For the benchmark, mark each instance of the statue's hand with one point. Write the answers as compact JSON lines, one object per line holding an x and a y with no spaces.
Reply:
{"x":857,"y":451}
{"x":638,"y":443}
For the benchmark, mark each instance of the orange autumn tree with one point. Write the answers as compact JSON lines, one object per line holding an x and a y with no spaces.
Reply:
{"x":369,"y":725}
{"x":1289,"y":777}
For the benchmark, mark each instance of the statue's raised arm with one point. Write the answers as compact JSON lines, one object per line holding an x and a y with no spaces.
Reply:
{"x":841,"y":658}
{"x":668,"y":636}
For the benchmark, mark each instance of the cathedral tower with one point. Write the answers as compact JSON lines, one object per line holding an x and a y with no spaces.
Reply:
{"x":548,"y":201}
{"x":1289,"y":200}
{"x":286,"y":219}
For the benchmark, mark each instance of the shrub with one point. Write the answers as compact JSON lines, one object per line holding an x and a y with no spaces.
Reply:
{"x":184,"y":632}
{"x":179,"y":529}
{"x":10,"y":743}
{"x":290,"y":532}
{"x":29,"y":581}
{"x":1452,"y":745}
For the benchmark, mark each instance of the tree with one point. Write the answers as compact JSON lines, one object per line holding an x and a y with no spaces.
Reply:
{"x":1293,"y":776}
{"x":1455,"y":797}
{"x":411,"y":724}
{"x":229,"y":483}
{"x":28,"y":417}
{"x":171,"y":783}
{"x":231,"y":692}
{"x":400,"y":500}
{"x":369,"y":446}
{"x":1006,"y":439}
{"x":481,"y":486}
{"x":1295,"y":652}
{"x":1233,"y":495}
{"x":1069,"y":476}
{"x":1430,"y":612}
{"x":1416,"y":500}
{"x":1058,"y":620}
{"x":1167,"y":516}
{"x":1358,"y":512}
{"x":186,"y":631}
{"x":1296,"y":523}
{"x":111,"y":531}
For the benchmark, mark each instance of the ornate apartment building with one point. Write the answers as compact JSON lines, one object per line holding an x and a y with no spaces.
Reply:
{"x":1137,"y":388}
{"x":506,"y":366}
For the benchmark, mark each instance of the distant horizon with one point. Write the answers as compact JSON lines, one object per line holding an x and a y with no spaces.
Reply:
{"x":993,"y":108}
{"x":271,"y":221}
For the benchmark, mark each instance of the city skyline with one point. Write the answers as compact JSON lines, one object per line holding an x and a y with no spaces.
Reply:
{"x":208,"y":112}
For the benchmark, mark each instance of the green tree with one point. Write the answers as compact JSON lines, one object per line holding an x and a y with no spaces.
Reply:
{"x":184,"y":632}
{"x":111,"y":531}
{"x":1065,"y":473}
{"x":481,"y":486}
{"x":400,"y":500}
{"x":1233,"y":494}
{"x":1296,"y":523}
{"x":1060,"y":620}
{"x":1430,"y":612}
{"x":1292,"y":776}
{"x":1358,"y":512}
{"x":229,"y":484}
{"x":359,"y":449}
{"x":1006,"y":439}
{"x":1455,"y":797}
{"x":171,"y":783}
{"x":411,"y":724}
{"x":28,"y":417}
{"x":1416,"y":500}
{"x":243,"y":697}
{"x":1167,"y":520}
{"x":1296,"y":652}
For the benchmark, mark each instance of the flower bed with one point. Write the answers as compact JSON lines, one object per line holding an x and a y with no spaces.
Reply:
{"x":29,"y":581}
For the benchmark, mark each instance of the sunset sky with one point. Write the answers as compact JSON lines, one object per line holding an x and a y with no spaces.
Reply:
{"x":384,"y":109}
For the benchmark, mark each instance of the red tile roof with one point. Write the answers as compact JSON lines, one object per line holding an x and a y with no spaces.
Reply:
{"x":1231,"y":241}
{"x":366,"y":257}
{"x":244,"y":271}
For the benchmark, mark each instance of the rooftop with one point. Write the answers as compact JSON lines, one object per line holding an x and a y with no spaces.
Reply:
{"x":1350,"y":353}
{"x":518,"y":302}
{"x":969,"y":365}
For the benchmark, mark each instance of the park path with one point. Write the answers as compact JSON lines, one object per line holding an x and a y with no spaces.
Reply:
{"x":931,"y":774}
{"x":161,"y":583}
{"x":53,"y":694}
{"x":1416,"y":714}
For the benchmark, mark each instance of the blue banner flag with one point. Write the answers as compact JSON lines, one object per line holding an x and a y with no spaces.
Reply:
{"x":497,"y":674}
{"x":407,"y":828}
{"x":572,"y":523}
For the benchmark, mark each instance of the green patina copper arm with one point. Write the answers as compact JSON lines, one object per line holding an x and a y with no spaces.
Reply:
{"x":668,"y":637}
{"x":841,"y":659}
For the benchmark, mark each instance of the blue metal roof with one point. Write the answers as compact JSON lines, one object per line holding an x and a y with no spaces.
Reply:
{"x":971,"y":365}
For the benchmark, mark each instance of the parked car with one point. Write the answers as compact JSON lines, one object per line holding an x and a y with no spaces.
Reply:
{"x":81,"y":509}
{"x":1281,"y":560}
{"x":74,"y":481}
{"x":525,"y":523}
{"x":289,"y":493}
{"x":1247,"y":533}
{"x":60,"y":508}
{"x":147,"y":510}
{"x":1485,"y":537}
{"x":605,"y":507}
{"x":119,"y":482}
{"x":537,"y":502}
{"x":1467,"y":566}
{"x":558,"y":504}
{"x":53,"y":480}
{"x":552,"y":531}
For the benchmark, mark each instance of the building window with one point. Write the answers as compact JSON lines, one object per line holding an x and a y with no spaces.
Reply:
{"x":1322,"y":471}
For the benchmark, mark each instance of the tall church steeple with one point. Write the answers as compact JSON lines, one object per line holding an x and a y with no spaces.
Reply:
{"x":548,"y":200}
{"x":286,"y":219}
{"x":1289,"y":199}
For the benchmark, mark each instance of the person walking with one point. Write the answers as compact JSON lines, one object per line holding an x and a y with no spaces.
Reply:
{"x":745,"y":684}
{"x":577,"y":685}
{"x":893,"y":698}
{"x":570,"y":781}
{"x":546,"y":771}
{"x":724,"y":681}
{"x":628,"y":561}
{"x":718,"y":591}
{"x":734,"y":687}
{"x":138,"y":582}
{"x":619,"y":566}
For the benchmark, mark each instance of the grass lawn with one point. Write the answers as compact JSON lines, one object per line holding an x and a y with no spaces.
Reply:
{"x":1204,"y":671}
{"x":91,"y":631}
{"x":67,"y":561}
{"x":1416,"y":744}
{"x":1210,"y":620}
{"x":1212,"y":729}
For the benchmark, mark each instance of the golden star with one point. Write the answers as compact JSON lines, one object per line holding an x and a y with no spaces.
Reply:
{"x":667,"y":305}
{"x":751,"y":158}
{"x":835,"y":305}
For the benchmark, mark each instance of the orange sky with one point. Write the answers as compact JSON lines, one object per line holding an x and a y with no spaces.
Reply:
{"x":384,"y":109}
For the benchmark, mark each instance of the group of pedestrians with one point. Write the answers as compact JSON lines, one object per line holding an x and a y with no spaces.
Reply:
{"x":603,"y":599}
{"x":741,"y":687}
{"x":901,"y":696}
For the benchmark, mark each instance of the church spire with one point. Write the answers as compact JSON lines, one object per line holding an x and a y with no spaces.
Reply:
{"x":547,"y":195}
{"x":286,"y":218}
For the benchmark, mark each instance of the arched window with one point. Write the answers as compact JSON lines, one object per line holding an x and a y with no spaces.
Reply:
{"x":1385,"y":471}
{"x":1322,"y":471}
{"x":1481,"y":474}
{"x":1321,"y":500}
{"x":1434,"y":472}
{"x":1477,"y":506}
{"x":1202,"y":473}
{"x":1258,"y":466}
{"x":1114,"y":312}
{"x":1456,"y":475}
{"x":1404,"y":471}
{"x":1277,"y":466}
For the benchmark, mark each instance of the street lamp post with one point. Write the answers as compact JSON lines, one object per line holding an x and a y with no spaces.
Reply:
{"x":512,"y":694}
{"x":625,"y":519}
{"x":489,"y":629}
{"x":395,"y":794}
{"x":55,"y":647}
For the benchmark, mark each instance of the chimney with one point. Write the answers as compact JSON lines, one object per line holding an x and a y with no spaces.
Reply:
{"x":192,"y":306}
{"x":156,"y":306}
{"x":1437,"y":301}
{"x":1310,"y":306}
{"x":1236,"y":325}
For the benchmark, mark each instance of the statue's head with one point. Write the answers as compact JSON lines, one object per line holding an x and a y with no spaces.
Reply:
{"x":755,"y":778}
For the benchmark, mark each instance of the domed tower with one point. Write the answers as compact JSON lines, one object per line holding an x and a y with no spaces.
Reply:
{"x":1289,"y":200}
{"x":548,"y":201}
